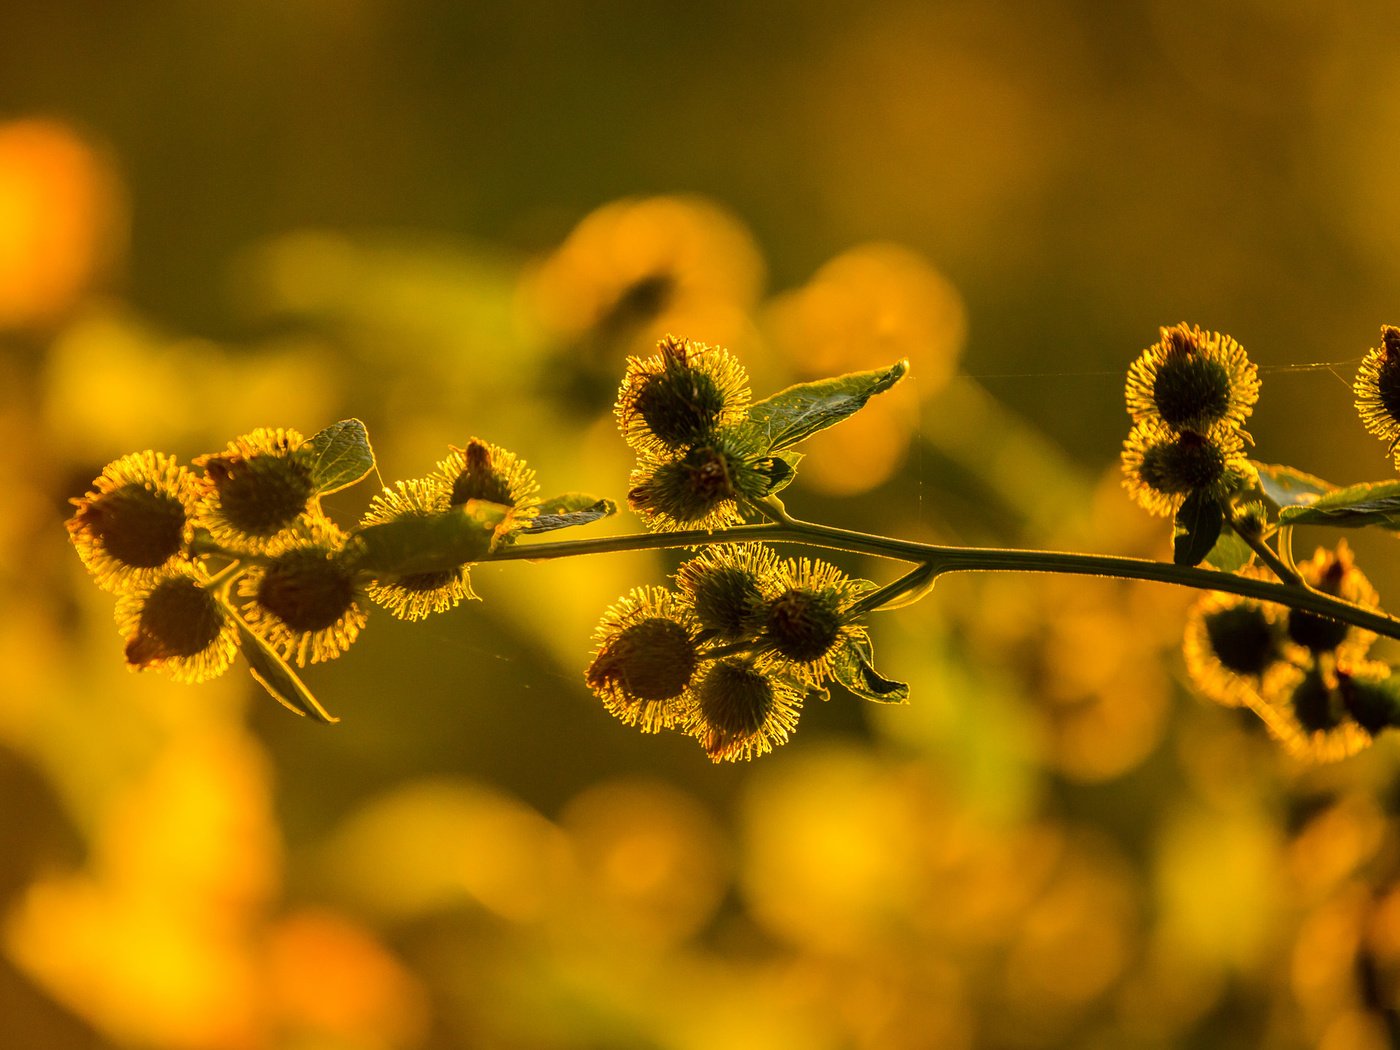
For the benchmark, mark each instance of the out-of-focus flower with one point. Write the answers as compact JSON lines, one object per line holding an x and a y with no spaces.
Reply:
{"x":636,"y":269}
{"x":62,"y":220}
{"x":871,"y":305}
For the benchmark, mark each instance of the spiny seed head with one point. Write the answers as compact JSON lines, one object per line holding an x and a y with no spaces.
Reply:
{"x":134,"y":522}
{"x":1377,"y":387}
{"x":651,"y":660}
{"x":745,"y":709}
{"x":735,"y":698}
{"x":727,"y":585}
{"x":305,"y":599}
{"x":698,"y":490}
{"x":178,"y":626}
{"x":682,"y":396}
{"x":1192,"y":380}
{"x":645,"y":660}
{"x":306,"y":590}
{"x":417,"y":595}
{"x":259,"y":489}
{"x":803,"y":624}
{"x":1162,"y":466}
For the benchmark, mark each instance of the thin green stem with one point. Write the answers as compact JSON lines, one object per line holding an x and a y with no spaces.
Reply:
{"x":940,"y":559}
{"x":1262,"y":550}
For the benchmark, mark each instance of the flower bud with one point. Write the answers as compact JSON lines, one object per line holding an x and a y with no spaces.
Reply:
{"x":487,"y":472}
{"x":1163,"y":466}
{"x":700,"y":490}
{"x":727,"y":585}
{"x":416,"y":595}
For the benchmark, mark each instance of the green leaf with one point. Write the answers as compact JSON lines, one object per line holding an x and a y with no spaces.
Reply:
{"x":433,"y":542}
{"x":780,"y":470}
{"x":1230,"y":553}
{"x":802,"y":410}
{"x":854,"y":668}
{"x":572,"y":508}
{"x":1370,"y":503}
{"x":1285,"y":487}
{"x":274,"y":674}
{"x":342,"y":456}
{"x":1198,"y":525}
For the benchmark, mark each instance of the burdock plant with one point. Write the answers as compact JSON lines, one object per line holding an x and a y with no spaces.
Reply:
{"x":238,"y":556}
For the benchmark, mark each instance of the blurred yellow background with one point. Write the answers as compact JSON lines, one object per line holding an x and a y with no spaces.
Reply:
{"x":454,"y":220}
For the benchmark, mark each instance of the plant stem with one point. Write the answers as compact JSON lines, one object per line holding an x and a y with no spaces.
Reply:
{"x":939,"y":559}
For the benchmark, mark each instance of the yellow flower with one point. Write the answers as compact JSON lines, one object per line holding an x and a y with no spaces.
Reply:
{"x":646,"y":659}
{"x":416,"y":596}
{"x":635,"y":269}
{"x":304,"y":600}
{"x":177,"y":625}
{"x":132,"y":527}
{"x":259,"y":490}
{"x":1192,"y":380}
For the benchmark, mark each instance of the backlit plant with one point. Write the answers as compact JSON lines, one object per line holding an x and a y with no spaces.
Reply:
{"x":236,"y":555}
